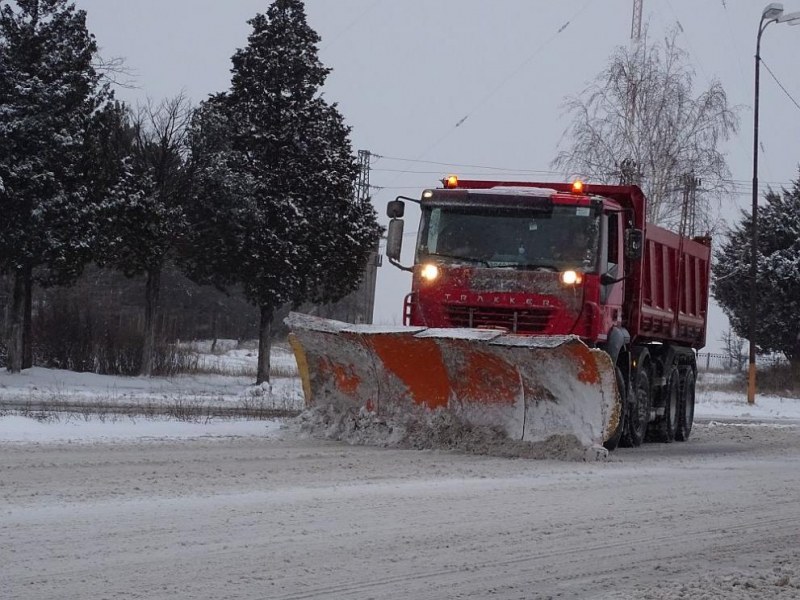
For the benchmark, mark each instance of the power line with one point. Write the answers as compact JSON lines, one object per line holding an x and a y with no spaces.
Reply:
{"x":733,"y":39}
{"x":509,"y":170}
{"x":689,"y":42}
{"x":495,"y":168}
{"x":513,"y":73}
{"x":350,"y":25}
{"x":780,"y":85}
{"x":522,"y":65}
{"x":469,"y":166}
{"x":735,"y":187}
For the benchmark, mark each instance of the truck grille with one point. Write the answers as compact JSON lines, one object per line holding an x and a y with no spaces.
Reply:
{"x":529,"y":320}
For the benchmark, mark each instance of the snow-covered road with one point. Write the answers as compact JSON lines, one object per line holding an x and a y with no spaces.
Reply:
{"x":284,"y":517}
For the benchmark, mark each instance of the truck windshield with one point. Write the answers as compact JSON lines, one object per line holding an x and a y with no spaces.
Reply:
{"x":566,"y":238}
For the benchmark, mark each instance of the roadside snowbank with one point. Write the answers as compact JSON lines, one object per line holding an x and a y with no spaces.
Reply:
{"x":728,"y":405}
{"x":53,"y":386}
{"x":50,"y":388}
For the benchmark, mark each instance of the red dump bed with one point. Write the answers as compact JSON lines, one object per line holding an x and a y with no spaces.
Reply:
{"x":670,"y":300}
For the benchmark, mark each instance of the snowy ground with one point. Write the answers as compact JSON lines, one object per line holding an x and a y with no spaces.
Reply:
{"x":40,"y":384}
{"x":273,"y":515}
{"x":55,"y":388}
{"x":90,"y":430}
{"x":120,"y":506}
{"x":224,"y":379}
{"x":233,"y":358}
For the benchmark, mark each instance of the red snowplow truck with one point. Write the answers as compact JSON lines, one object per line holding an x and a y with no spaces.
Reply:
{"x":542,"y":309}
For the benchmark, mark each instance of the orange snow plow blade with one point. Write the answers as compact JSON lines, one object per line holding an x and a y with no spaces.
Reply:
{"x":531,"y":387}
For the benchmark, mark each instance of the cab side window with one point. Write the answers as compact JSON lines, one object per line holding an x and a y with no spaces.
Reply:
{"x":613,"y":242}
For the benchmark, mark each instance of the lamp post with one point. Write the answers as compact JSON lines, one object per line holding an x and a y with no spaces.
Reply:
{"x":772,"y":13}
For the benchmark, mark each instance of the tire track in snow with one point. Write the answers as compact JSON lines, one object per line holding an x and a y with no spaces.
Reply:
{"x":649,"y":542}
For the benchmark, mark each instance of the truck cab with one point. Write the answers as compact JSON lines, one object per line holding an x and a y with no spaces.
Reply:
{"x":525,"y":259}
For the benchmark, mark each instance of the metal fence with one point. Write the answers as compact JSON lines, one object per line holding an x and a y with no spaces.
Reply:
{"x":709,"y":361}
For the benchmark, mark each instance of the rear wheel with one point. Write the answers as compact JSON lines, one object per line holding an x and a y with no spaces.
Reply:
{"x":686,"y":410}
{"x":663,"y":430}
{"x":612,"y":442}
{"x":638,"y":413}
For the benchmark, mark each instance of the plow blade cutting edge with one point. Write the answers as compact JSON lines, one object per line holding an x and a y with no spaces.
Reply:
{"x":530,"y":387}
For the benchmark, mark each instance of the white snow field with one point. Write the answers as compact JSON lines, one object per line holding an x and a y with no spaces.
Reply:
{"x":130,"y":507}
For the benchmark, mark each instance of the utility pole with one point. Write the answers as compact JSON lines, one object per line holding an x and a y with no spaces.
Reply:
{"x":695,"y":183}
{"x":367,"y":288}
{"x":689,"y":209}
{"x":362,"y":185}
{"x":629,"y":173}
{"x":636,"y":34}
{"x":359,"y":305}
{"x":636,"y":21}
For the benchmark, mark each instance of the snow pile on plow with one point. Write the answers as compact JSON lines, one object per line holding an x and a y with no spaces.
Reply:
{"x":435,"y":430}
{"x":527,"y":388}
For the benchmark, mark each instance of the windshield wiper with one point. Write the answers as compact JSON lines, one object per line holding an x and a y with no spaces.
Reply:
{"x":534,"y":267}
{"x":459,"y":257}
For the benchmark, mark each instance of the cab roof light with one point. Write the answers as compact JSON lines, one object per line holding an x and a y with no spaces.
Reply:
{"x":451,"y":182}
{"x":578,"y":187}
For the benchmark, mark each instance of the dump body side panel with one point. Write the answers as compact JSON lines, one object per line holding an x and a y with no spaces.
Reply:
{"x":673,"y":302}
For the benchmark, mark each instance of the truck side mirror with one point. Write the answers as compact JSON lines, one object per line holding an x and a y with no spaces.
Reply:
{"x":395,"y":209}
{"x":634,"y":244}
{"x":394,"y":238}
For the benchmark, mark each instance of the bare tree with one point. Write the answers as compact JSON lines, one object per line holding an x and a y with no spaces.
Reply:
{"x":115,"y":71}
{"x":147,"y":213}
{"x":734,"y":350}
{"x":639,"y":122}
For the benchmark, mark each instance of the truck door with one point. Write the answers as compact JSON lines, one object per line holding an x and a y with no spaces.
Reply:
{"x":612,"y":294}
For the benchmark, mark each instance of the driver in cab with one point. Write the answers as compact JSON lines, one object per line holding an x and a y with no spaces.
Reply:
{"x":462,"y":242}
{"x":572,"y":250}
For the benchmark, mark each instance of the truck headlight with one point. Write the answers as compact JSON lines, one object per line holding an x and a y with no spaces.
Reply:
{"x":429,"y":272}
{"x":571,"y":278}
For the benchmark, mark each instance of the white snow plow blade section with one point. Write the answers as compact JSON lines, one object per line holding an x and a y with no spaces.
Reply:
{"x":532,"y":388}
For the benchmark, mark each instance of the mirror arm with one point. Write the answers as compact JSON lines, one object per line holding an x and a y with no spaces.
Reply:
{"x":605,"y":281}
{"x":399,"y":266}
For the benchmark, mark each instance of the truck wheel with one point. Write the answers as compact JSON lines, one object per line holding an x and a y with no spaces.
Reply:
{"x":638,"y":411}
{"x":612,"y":442}
{"x":686,"y":411}
{"x":663,"y":430}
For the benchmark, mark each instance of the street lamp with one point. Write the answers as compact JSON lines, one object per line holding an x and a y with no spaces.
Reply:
{"x":773,"y":13}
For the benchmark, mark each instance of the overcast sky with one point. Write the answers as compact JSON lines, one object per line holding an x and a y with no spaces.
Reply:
{"x":464,"y":86}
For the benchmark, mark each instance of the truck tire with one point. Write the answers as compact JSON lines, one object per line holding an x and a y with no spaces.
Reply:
{"x":686,"y":410}
{"x":663,"y":430}
{"x":638,"y":411}
{"x":612,"y":442}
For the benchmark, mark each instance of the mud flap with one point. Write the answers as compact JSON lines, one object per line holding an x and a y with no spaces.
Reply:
{"x":530,"y":387}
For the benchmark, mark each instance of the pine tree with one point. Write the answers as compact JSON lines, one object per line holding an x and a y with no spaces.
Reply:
{"x":106,"y":148}
{"x":778,"y":274}
{"x":295,"y":232}
{"x":49,"y":95}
